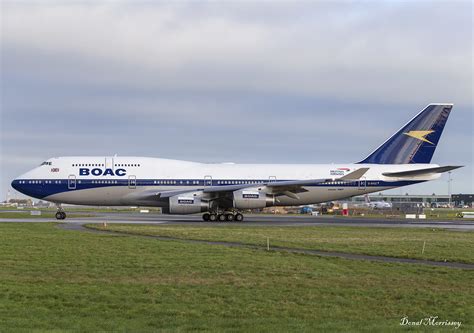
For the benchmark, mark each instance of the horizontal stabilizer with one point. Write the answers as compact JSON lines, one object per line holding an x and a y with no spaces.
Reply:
{"x":420,"y":172}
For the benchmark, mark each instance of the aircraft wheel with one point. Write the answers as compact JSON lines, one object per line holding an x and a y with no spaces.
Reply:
{"x":221,"y":217}
{"x":229,"y":217}
{"x":239,"y":217}
{"x":206,"y":216}
{"x":212,"y":217}
{"x":60,"y":215}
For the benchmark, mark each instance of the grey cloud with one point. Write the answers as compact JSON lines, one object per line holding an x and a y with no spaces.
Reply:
{"x":244,"y":82}
{"x":388,"y":47}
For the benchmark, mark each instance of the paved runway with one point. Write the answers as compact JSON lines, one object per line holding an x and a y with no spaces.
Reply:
{"x":260,"y":220}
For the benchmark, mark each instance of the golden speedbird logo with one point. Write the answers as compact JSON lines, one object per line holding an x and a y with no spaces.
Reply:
{"x":420,"y":135}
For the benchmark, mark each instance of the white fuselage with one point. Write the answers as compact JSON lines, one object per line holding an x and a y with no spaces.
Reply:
{"x":119,"y":180}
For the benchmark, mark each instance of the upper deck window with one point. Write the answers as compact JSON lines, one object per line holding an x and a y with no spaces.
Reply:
{"x":46,"y":163}
{"x":126,"y":165}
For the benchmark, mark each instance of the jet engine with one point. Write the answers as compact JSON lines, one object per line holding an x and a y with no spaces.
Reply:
{"x":187,"y":203}
{"x":252,"y":198}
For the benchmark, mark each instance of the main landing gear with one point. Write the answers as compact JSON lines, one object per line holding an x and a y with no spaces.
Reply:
{"x":223,"y":217}
{"x":60,"y":214}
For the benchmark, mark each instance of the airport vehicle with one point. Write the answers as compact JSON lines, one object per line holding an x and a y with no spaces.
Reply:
{"x":222,"y":191}
{"x":306,"y":210}
{"x":377,"y":204}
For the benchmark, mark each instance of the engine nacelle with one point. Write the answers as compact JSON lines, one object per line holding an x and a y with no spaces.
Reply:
{"x":187,"y":203}
{"x":252,"y":198}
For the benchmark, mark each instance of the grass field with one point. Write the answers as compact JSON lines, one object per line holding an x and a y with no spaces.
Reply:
{"x":431,"y":213}
{"x":44,"y":215}
{"x":444,"y":212}
{"x":396,"y":242}
{"x":52,"y":279}
{"x":83,"y":209}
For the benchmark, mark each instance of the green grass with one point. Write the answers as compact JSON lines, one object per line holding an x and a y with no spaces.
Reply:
{"x":445,"y":213}
{"x":52,"y":279}
{"x":85,"y":209}
{"x":396,"y":242}
{"x":44,"y":215}
{"x":435,"y":214}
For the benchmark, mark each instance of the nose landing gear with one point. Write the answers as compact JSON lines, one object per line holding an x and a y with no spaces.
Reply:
{"x":60,"y":214}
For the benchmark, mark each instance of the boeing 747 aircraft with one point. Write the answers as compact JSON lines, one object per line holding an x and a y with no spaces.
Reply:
{"x":223,"y":191}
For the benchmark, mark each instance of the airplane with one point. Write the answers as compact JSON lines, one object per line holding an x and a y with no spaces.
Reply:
{"x":221,"y":191}
{"x":377,"y":204}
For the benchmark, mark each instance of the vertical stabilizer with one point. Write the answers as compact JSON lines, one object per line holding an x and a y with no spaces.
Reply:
{"x":415,"y":142}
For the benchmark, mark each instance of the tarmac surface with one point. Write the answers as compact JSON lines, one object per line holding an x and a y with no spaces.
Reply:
{"x":258,"y":220}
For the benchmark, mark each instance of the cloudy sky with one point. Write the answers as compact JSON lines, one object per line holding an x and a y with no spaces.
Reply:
{"x":249,"y":82}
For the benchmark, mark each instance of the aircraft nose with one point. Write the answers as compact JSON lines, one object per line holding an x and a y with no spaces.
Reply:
{"x":18,"y":185}
{"x":15,"y":184}
{"x":32,"y":188}
{"x":21,"y":184}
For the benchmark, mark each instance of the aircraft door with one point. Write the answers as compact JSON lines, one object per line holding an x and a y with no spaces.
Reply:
{"x":362,"y":184}
{"x":109,"y":163}
{"x":132,"y":181}
{"x":207,"y":181}
{"x":272,"y":179}
{"x":71,"y":182}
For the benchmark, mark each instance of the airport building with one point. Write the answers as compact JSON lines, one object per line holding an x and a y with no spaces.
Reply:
{"x":463,"y":200}
{"x":433,"y":200}
{"x":424,"y":200}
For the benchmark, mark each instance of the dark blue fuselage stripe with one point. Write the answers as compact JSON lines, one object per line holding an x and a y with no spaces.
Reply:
{"x":41,"y":188}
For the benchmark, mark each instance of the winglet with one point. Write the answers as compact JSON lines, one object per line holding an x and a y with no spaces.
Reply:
{"x":354,"y":175}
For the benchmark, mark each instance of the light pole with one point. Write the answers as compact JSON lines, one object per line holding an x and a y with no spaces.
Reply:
{"x":449,"y":187}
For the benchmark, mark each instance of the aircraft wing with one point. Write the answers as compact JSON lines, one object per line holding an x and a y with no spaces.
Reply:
{"x":285,"y":187}
{"x":291,"y":188}
{"x":159,"y":195}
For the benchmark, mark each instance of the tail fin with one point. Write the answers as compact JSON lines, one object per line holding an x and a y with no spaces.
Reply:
{"x":416,"y":141}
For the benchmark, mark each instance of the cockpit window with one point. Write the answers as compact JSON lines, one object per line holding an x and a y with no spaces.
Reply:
{"x":46,"y":163}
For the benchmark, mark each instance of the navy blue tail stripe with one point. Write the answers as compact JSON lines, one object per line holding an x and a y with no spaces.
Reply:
{"x":416,"y":141}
